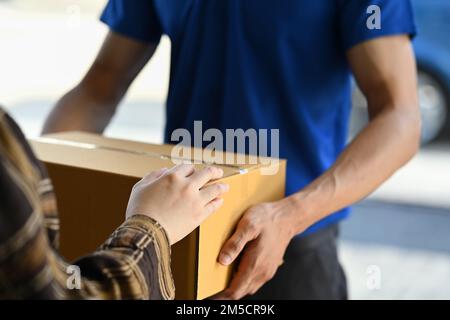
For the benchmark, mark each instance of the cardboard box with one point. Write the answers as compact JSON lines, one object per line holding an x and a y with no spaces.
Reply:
{"x":93,"y":177}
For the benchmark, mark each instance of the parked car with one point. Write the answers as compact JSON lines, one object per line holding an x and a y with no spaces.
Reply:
{"x":432,"y":49}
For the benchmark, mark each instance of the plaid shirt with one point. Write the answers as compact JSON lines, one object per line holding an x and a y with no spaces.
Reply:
{"x":134,"y":263}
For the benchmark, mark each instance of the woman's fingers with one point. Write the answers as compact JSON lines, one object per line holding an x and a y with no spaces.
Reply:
{"x":155,"y":174}
{"x":213,"y":191}
{"x":203,"y":176}
{"x":212,"y":207}
{"x":183,"y":170}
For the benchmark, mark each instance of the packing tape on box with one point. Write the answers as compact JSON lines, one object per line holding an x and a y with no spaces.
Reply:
{"x":93,"y":146}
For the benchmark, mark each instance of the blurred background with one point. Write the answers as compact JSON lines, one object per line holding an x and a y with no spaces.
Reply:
{"x":396,"y":245}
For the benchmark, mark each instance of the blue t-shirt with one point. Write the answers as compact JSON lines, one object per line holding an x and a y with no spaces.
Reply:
{"x":264,"y":64}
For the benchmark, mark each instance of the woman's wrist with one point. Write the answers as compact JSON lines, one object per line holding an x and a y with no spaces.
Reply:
{"x":149,"y":224}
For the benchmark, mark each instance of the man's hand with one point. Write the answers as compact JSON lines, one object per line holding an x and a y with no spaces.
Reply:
{"x":264,"y":233}
{"x":386,"y":73}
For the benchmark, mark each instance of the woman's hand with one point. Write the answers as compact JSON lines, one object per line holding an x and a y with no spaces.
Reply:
{"x":178,"y":198}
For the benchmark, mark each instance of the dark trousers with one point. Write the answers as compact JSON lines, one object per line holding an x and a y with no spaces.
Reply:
{"x":311,"y":270}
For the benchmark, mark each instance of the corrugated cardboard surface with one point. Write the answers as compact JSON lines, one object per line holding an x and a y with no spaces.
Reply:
{"x":93,"y":177}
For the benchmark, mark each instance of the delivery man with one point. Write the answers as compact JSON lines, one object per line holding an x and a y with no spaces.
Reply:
{"x":283,"y":65}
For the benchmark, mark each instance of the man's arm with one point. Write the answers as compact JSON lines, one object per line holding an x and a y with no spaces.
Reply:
{"x":91,"y":105}
{"x":386,"y":72}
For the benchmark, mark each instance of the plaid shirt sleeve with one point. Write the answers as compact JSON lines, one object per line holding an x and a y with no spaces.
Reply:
{"x":134,"y":263}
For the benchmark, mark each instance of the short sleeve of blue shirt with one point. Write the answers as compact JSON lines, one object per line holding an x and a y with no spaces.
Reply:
{"x":136,"y":19}
{"x":362,"y":20}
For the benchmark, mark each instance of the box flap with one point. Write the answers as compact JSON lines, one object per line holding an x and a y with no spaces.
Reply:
{"x":241,"y":161}
{"x":94,"y":152}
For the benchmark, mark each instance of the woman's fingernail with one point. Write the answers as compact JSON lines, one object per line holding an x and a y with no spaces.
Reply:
{"x":224,"y":259}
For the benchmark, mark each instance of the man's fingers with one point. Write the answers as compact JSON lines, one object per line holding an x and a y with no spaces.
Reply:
{"x":241,"y":283}
{"x":203,"y":176}
{"x":259,"y":281}
{"x":213,"y":191}
{"x":183,"y":170}
{"x":244,"y":233}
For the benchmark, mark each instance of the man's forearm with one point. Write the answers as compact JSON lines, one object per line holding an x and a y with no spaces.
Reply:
{"x":389,"y":141}
{"x":79,"y":110}
{"x":91,"y":105}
